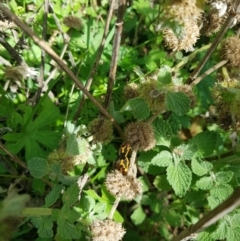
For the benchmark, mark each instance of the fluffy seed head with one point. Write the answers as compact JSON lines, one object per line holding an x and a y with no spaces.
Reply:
{"x":131,"y":91}
{"x":182,"y":10}
{"x":231,"y":51}
{"x":19,"y":72}
{"x":102,"y":133}
{"x":126,"y":187}
{"x":140,"y":134}
{"x":107,"y":230}
{"x":186,"y":41}
{"x":73,"y":22}
{"x":212,"y":24}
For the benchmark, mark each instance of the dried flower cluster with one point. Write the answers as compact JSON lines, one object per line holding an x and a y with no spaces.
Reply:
{"x":185,"y":40}
{"x":107,"y":230}
{"x":102,"y":132}
{"x":231,"y":51}
{"x":20,"y":72}
{"x":141,"y":135}
{"x":131,"y":91}
{"x":187,"y":13}
{"x":123,"y":186}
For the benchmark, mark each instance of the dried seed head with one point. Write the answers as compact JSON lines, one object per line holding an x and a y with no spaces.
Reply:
{"x":19,"y":72}
{"x":60,"y":156}
{"x":4,"y":25}
{"x":140,"y":134}
{"x":183,"y":10}
{"x":186,"y":41}
{"x":231,"y":51}
{"x":73,"y":22}
{"x":102,"y":132}
{"x":126,"y":187}
{"x":212,"y":24}
{"x":107,"y":230}
{"x":131,"y":91}
{"x":148,"y":90}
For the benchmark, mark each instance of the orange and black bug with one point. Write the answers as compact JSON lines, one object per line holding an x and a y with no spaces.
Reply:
{"x":123,"y":161}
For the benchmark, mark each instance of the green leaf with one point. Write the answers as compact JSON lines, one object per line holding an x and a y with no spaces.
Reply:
{"x":163,"y":132}
{"x":38,"y":167}
{"x":200,"y":167}
{"x":163,"y":159}
{"x":67,"y":230}
{"x":221,"y":192}
{"x":179,"y":177}
{"x":49,"y":114}
{"x":138,"y":107}
{"x":138,"y":216}
{"x":206,"y":143}
{"x":75,"y":145}
{"x":205,"y":183}
{"x":161,"y":183}
{"x":224,"y":177}
{"x":204,"y":236}
{"x":177,"y":102}
{"x":70,"y":197}
{"x":165,"y":74}
{"x":44,"y":226}
{"x":53,"y":195}
{"x":173,"y":218}
{"x":185,"y":152}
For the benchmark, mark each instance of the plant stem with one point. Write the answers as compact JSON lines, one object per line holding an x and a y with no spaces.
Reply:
{"x":208,"y":72}
{"x":114,"y":207}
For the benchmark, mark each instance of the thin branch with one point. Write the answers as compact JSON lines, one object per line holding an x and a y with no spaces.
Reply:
{"x":212,"y":217}
{"x":42,"y":66}
{"x":208,"y":72}
{"x":14,"y":54}
{"x":228,"y":23}
{"x":96,"y":63}
{"x":55,"y":57}
{"x":116,"y":46}
{"x":14,"y":158}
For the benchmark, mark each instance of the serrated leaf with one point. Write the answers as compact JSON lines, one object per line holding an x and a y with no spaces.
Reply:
{"x":162,"y":132}
{"x":76,"y":145}
{"x":185,"y":152}
{"x":53,"y":195}
{"x":206,"y":143}
{"x":221,"y":231}
{"x":204,"y":236}
{"x":138,"y":216}
{"x":179,"y":177}
{"x":177,"y":102}
{"x":44,"y":226}
{"x":221,"y":192}
{"x":213,"y":202}
{"x":224,"y":177}
{"x":70,"y":197}
{"x":205,"y":183}
{"x":67,"y":230}
{"x":163,"y":159}
{"x":165,"y":74}
{"x":87,"y":203}
{"x":200,"y":167}
{"x":138,"y":107}
{"x":38,"y":167}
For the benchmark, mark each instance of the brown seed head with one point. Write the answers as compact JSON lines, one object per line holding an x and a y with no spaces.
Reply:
{"x":140,"y":134}
{"x":73,"y":22}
